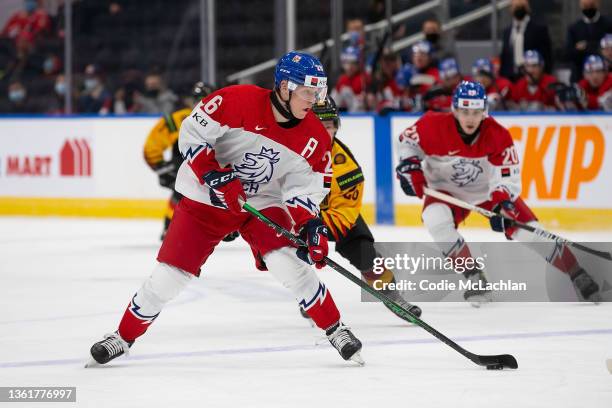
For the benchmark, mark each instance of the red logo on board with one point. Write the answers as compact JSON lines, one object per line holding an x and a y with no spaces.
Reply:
{"x":75,"y":158}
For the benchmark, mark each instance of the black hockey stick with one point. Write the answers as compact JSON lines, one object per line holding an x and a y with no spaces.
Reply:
{"x":537,"y":231}
{"x":496,"y":362}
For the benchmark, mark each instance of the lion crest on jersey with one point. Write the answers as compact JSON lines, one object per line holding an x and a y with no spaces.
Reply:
{"x":466,"y":172}
{"x":257,"y":167}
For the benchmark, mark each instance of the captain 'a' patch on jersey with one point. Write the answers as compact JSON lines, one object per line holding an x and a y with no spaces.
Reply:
{"x":277,"y":166}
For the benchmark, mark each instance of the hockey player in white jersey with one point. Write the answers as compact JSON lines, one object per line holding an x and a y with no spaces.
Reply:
{"x":245,"y":143}
{"x":467,"y":154}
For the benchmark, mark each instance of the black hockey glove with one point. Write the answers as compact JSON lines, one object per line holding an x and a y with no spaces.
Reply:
{"x":166,"y":171}
{"x":499,"y":223}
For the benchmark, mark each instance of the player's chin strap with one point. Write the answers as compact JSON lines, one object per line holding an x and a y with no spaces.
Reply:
{"x":282,"y":106}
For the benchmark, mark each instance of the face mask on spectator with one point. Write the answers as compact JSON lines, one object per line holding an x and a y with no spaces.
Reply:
{"x":49,"y":65}
{"x":432,"y":37}
{"x":354,"y":37}
{"x":17,"y":95}
{"x":30,"y":5}
{"x":589,"y":12}
{"x":152,"y":93}
{"x":90,"y":83}
{"x":60,"y":88}
{"x":520,"y":12}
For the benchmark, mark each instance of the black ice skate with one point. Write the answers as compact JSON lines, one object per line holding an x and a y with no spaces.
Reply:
{"x":108,"y":349}
{"x":586,"y":286}
{"x":397,"y":298}
{"x":477,"y":295}
{"x":345,"y":342}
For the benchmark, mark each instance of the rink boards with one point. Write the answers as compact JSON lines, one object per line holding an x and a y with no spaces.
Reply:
{"x":94,"y":166}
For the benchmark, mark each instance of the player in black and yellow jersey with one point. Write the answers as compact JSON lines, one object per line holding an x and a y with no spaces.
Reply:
{"x":341,"y":208}
{"x":164,"y":136}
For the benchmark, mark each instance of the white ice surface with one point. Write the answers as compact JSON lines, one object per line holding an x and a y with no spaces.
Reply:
{"x":235,"y":337}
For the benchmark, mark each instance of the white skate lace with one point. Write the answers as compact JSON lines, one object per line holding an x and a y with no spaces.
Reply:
{"x":340,"y":337}
{"x":114,"y":344}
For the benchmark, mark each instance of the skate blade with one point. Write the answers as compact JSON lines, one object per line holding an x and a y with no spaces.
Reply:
{"x":356,"y":358}
{"x":91,"y":363}
{"x":595,"y":298}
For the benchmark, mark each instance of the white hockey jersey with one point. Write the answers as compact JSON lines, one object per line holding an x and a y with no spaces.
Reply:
{"x":278,"y":167}
{"x":468,"y":172}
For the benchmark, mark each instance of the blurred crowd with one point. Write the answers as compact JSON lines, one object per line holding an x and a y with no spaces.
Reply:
{"x":519,"y":79}
{"x":33,"y":77}
{"x":373,"y":78}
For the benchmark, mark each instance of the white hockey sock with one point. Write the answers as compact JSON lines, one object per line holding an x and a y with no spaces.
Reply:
{"x":164,"y":284}
{"x":438,"y":220}
{"x":292,"y":273}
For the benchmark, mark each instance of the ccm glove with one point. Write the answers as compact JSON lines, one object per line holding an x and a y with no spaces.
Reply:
{"x":411,"y":176}
{"x":225,"y":189}
{"x":314,"y":233}
{"x":503,"y":206}
{"x":166,"y":171}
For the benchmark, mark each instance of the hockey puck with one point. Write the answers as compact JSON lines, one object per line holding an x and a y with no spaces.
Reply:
{"x":495,"y":367}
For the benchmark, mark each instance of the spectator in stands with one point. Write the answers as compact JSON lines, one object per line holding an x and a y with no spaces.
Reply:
{"x":497,"y":88}
{"x":356,"y":31}
{"x":403,"y":77}
{"x":357,"y":37}
{"x":125,"y":100}
{"x":432,"y":30}
{"x":583,"y":37}
{"x":51,"y":65}
{"x":156,"y":98}
{"x":534,"y":92}
{"x":349,"y":92}
{"x":425,"y":73}
{"x":524,"y":34}
{"x":60,"y":85}
{"x":26,"y":25}
{"x":56,"y":105}
{"x":440,"y":96}
{"x":18,"y":99}
{"x":606,"y":49}
{"x":95,"y":97}
{"x":121,"y":102}
{"x":597,"y":84}
{"x":384,"y":94}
